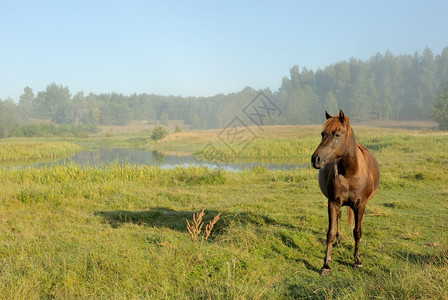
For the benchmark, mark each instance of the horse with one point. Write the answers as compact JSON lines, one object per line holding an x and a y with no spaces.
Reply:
{"x":348,"y":176}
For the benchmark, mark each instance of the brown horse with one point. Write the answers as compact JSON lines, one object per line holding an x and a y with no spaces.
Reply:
{"x":348,"y":176}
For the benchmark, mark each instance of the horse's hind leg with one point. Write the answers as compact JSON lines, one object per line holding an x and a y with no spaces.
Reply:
{"x":357,"y":232}
{"x":332,"y":216}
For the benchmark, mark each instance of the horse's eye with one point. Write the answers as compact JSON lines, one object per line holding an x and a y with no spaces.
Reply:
{"x":337,"y":134}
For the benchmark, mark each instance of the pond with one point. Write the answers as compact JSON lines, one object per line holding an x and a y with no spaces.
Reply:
{"x":106,"y":156}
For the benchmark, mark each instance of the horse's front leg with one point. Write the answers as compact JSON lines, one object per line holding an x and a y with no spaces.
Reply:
{"x":357,"y":232}
{"x":341,"y":191}
{"x":333,"y":209}
{"x":338,"y":232}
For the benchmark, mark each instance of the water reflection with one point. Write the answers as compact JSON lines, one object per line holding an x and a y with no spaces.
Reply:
{"x":105,"y":156}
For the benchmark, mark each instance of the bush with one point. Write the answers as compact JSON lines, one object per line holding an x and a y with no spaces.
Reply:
{"x":158,"y":133}
{"x":50,"y":129}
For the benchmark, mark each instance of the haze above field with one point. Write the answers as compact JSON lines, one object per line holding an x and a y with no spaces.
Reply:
{"x":200,"y":49}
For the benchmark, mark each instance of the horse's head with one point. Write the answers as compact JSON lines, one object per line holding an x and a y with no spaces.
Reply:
{"x":335,"y":139}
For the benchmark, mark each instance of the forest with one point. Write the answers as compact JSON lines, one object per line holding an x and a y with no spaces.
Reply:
{"x":384,"y":87}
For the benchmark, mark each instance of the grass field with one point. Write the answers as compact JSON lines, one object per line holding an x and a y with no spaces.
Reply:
{"x":119,"y":232}
{"x":16,"y":151}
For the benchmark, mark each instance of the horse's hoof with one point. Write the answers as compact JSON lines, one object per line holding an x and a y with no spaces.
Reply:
{"x":357,"y":266}
{"x":325,"y":272}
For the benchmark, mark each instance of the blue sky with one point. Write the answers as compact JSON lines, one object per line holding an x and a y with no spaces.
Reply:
{"x":200,"y":48}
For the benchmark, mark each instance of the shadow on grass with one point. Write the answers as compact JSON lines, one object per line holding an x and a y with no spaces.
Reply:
{"x":175,"y":220}
{"x":162,"y":217}
{"x":439,"y":257}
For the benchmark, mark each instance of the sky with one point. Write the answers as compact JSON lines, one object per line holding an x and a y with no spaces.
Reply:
{"x":200,"y":48}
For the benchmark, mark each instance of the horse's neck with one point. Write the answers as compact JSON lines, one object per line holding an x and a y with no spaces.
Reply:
{"x":349,"y":162}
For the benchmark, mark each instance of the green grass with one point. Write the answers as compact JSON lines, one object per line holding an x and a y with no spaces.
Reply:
{"x":272,"y":150}
{"x":23,"y":150}
{"x":120,"y":231}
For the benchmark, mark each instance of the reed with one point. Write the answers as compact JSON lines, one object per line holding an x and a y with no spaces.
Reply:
{"x":195,"y":227}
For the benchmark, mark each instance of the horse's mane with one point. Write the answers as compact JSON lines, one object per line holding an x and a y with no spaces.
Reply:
{"x":334,"y":124}
{"x":362,"y":148}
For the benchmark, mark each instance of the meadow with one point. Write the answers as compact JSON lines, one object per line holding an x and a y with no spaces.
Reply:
{"x":119,"y":231}
{"x":15,"y":151}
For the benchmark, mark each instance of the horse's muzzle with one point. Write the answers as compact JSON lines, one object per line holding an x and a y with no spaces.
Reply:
{"x":316,"y":161}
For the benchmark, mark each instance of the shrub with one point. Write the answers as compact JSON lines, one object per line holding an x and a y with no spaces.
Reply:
{"x":440,"y":110}
{"x":158,"y":133}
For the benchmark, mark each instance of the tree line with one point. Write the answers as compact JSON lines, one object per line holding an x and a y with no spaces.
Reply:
{"x":384,"y":87}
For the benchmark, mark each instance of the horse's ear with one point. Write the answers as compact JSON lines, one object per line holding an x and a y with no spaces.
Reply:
{"x":327,"y":115}
{"x":341,"y":116}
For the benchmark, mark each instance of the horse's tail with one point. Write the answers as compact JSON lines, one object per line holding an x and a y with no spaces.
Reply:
{"x":350,"y":217}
